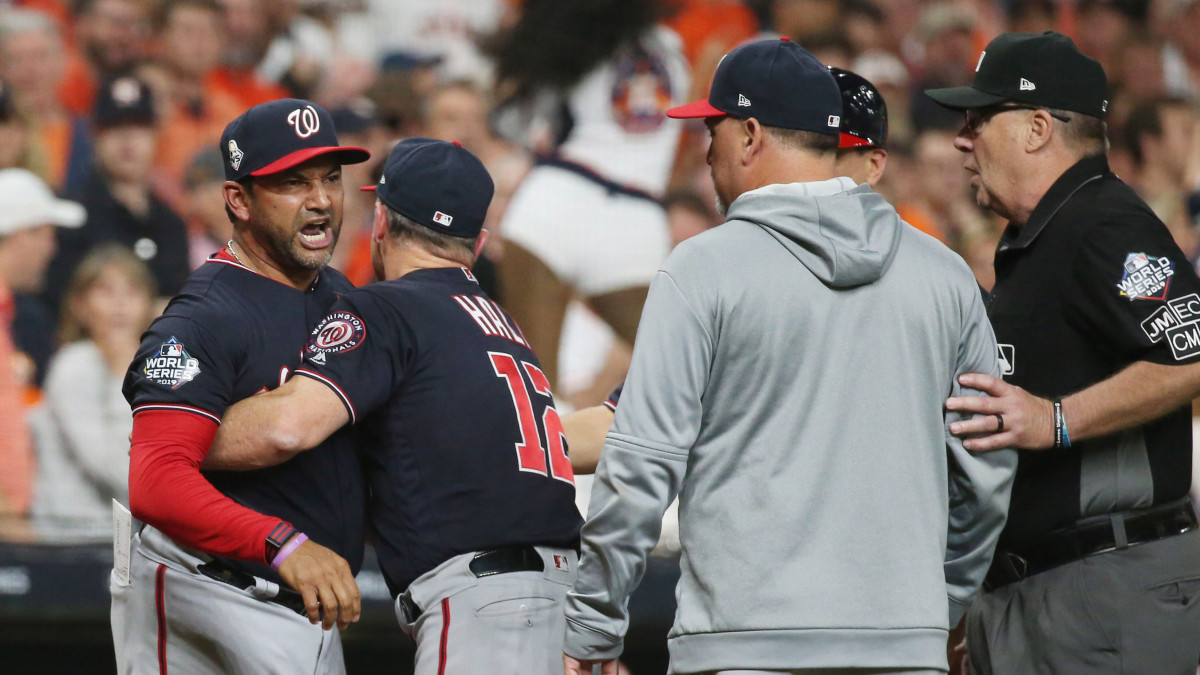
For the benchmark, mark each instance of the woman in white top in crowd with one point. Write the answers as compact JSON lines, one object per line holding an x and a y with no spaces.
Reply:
{"x":84,"y":424}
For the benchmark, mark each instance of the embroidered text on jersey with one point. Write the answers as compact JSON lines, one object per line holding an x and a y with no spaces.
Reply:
{"x":337,"y":333}
{"x":172,"y":366}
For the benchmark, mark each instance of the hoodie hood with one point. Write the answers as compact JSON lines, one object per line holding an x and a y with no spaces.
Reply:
{"x":846,"y":235}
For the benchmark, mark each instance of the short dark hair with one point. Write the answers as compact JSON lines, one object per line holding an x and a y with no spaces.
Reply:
{"x":800,"y":139}
{"x":458,"y":249}
{"x":1086,"y":134}
{"x":1146,"y":120}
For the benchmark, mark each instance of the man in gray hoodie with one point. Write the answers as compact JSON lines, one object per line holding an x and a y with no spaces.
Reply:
{"x":787,"y":384}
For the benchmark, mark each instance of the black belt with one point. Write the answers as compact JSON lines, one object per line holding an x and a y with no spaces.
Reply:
{"x":613,"y":187}
{"x":1117,"y":531}
{"x":285,"y":598}
{"x":490,"y":563}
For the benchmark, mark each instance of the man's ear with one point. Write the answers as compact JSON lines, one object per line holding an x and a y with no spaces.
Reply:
{"x":1041,"y":130}
{"x":480,"y":242}
{"x":237,"y":199}
{"x":753,"y":140}
{"x":379,"y":228}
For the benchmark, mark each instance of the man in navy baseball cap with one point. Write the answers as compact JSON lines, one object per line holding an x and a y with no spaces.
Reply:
{"x":777,"y":82}
{"x":434,"y":193}
{"x":278,"y":135}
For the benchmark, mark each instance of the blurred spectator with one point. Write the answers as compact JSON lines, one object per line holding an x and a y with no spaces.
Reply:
{"x":31,"y":58}
{"x":587,"y":220}
{"x":865,"y":26}
{"x":1179,"y":20}
{"x":208,"y":224}
{"x":1137,"y":70}
{"x":458,"y":112}
{"x":404,"y":83}
{"x":29,"y":213}
{"x":1101,"y":26}
{"x":1160,"y":135}
{"x":358,"y":126}
{"x":943,"y":206}
{"x":1032,"y":16}
{"x":709,"y":28}
{"x":82,"y":430}
{"x":688,"y":215}
{"x":190,"y":42}
{"x":301,"y":51}
{"x":446,"y":29}
{"x":247,"y":38}
{"x":110,"y":37}
{"x":16,"y":143}
{"x":946,"y":35}
{"x":802,"y":20}
{"x":121,"y":203}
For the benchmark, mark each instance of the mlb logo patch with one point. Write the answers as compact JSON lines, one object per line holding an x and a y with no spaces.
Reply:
{"x":835,"y":121}
{"x":1007,"y":355}
{"x":562,"y":563}
{"x":171,"y":348}
{"x":443,"y":218}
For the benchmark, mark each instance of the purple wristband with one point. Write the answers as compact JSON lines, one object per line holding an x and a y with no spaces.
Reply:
{"x":288,"y":549}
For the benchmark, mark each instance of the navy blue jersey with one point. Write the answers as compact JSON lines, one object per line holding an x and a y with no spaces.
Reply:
{"x":231,"y":333}
{"x":465,"y":450}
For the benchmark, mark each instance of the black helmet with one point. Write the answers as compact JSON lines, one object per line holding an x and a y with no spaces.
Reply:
{"x":864,"y":114}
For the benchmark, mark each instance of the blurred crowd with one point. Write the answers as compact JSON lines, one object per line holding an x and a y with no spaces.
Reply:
{"x":117,"y":106}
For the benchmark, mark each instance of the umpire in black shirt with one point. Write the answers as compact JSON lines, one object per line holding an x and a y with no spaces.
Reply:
{"x":1097,"y":313}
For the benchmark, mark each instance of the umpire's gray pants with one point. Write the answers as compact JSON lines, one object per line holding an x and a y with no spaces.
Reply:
{"x":505,"y":624}
{"x":1127,"y":612}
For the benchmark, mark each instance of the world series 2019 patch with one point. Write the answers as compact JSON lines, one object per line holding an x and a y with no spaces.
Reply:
{"x":172,"y":366}
{"x":337,"y":333}
{"x":1146,"y":277}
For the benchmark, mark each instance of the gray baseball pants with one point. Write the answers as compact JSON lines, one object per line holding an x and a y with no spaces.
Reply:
{"x":505,"y":624}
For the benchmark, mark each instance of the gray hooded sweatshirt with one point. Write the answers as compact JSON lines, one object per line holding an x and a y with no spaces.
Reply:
{"x":788,"y":384}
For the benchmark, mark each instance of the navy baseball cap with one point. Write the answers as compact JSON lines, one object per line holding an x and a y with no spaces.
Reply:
{"x":777,"y":82}
{"x":437,"y":184}
{"x":277,"y":135}
{"x":124,"y":100}
{"x":1043,"y":70}
{"x":864,"y":113}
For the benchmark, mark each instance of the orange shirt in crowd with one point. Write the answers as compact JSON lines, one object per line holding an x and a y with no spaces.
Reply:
{"x":920,"y":219}
{"x":245,"y":86}
{"x":698,"y":22}
{"x":55,"y":138}
{"x":185,"y":130}
{"x":16,"y":446}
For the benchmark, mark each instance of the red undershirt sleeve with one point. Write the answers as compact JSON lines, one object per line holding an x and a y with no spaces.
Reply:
{"x":167,"y":490}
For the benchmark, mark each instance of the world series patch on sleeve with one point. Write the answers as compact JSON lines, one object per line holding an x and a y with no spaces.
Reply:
{"x":172,"y":367}
{"x":1146,"y":277}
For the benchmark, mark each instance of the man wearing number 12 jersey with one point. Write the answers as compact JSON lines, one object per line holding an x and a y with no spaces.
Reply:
{"x":472,"y":493}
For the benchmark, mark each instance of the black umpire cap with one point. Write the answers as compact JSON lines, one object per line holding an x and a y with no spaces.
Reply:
{"x":277,"y":135}
{"x":864,"y":112}
{"x":1043,"y":70}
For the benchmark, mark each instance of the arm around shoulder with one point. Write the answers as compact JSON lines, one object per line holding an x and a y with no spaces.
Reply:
{"x":273,"y":427}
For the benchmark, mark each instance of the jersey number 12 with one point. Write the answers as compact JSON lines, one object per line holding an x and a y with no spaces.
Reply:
{"x":531,"y":456}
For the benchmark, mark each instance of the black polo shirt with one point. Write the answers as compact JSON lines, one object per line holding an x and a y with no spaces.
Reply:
{"x":1092,"y":283}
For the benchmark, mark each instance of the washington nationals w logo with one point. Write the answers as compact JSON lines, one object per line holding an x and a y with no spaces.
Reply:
{"x":305,"y":121}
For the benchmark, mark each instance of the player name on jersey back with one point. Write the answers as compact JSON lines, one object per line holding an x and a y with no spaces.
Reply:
{"x":490,"y":318}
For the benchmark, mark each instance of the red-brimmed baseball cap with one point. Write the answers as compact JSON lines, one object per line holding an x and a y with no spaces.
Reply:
{"x":777,"y":82}
{"x":278,"y":135}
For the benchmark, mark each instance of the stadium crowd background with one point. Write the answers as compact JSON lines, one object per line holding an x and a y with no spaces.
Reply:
{"x":149,"y":174}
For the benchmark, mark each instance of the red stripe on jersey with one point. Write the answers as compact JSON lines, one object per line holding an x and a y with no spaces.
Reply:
{"x":176,"y":406}
{"x":160,"y":604}
{"x":167,"y":490}
{"x":336,"y":389}
{"x":445,"y":636}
